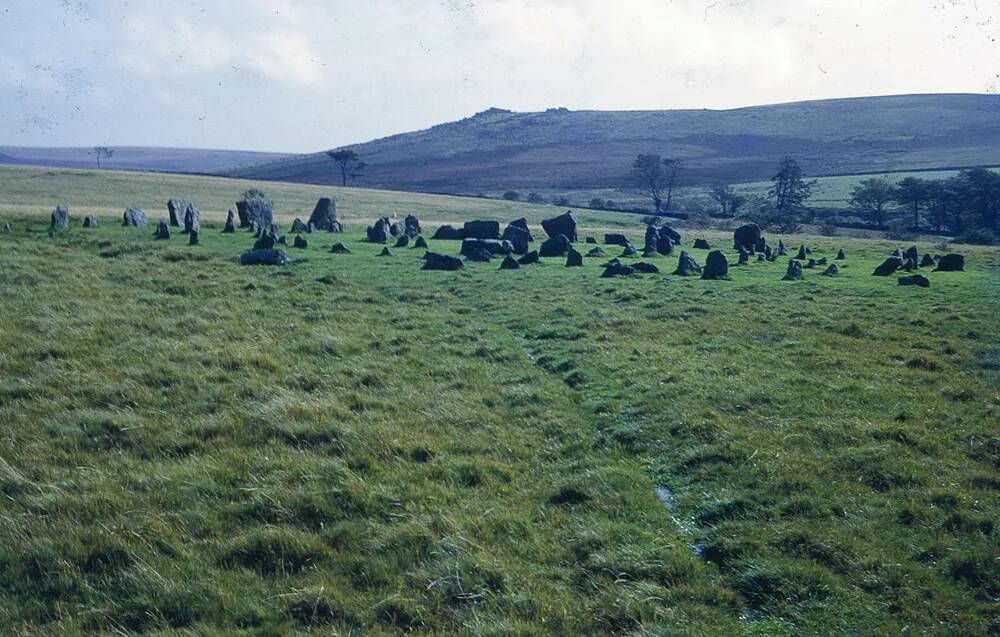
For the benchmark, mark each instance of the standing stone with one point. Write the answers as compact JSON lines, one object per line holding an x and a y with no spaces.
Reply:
{"x":573,"y":259}
{"x":702,"y":244}
{"x":60,"y":216}
{"x":744,"y":256}
{"x":324,"y":215}
{"x":615,"y":239}
{"x":411,"y":226}
{"x":402,"y":241}
{"x":420,"y":242}
{"x":193,"y":238}
{"x":481,"y":230}
{"x":840,"y":255}
{"x":397,"y":229}
{"x":832,"y":270}
{"x":480,"y":255}
{"x":670,"y":233}
{"x":716,"y":266}
{"x":794,"y":270}
{"x":386,"y":252}
{"x":651,"y":242}
{"x":379,"y":231}
{"x":629,"y":251}
{"x":803,"y":253}
{"x":666,"y":246}
{"x":448,"y":233}
{"x":747,"y":237}
{"x":761,"y":257}
{"x":645,"y":268}
{"x":555,"y":246}
{"x":910,"y":264}
{"x":953,"y":262}
{"x":134,"y":217}
{"x":298,"y":227}
{"x":686,"y":266}
{"x":339,"y":248}
{"x":300,"y":242}
{"x":311,"y":228}
{"x":509,"y":263}
{"x":6,"y":228}
{"x":257,"y":210}
{"x":230,"y":226}
{"x":265,"y":242}
{"x":176,"y":208}
{"x":192,"y":219}
{"x":90,"y":221}
{"x":564,"y":224}
{"x":522,"y":224}
{"x":162,"y":230}
{"x":927,"y":261}
{"x":781,"y":251}
{"x":888,"y":266}
{"x":911,"y":253}
{"x":518,"y":237}
{"x":254,"y":229}
{"x":596,"y":252}
{"x":591,"y":240}
{"x":616,"y":268}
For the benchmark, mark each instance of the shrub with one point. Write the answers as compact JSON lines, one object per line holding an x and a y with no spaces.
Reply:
{"x":561,"y":202}
{"x":900,"y":230}
{"x":828,"y":230}
{"x":512,"y":195}
{"x":534,"y":197}
{"x":611,"y":205}
{"x":596,"y":203}
{"x":978,"y":236}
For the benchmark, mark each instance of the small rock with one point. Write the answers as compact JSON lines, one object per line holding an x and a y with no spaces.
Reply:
{"x":596,"y":252}
{"x":435,"y":261}
{"x":953,"y":262}
{"x":162,"y":230}
{"x":193,"y":238}
{"x":479,"y":255}
{"x":556,"y":246}
{"x":449,"y":233}
{"x":263,"y":257}
{"x":702,"y":244}
{"x":298,"y":227}
{"x":832,"y":270}
{"x":686,"y":266}
{"x":590,"y":240}
{"x":716,"y":266}
{"x":300,"y":242}
{"x":616,"y":268}
{"x":134,"y":217}
{"x":90,"y":221}
{"x":339,"y":248}
{"x":840,"y":255}
{"x":616,"y":239}
{"x":509,"y":263}
{"x":629,"y":251}
{"x":6,"y":228}
{"x":530,"y":258}
{"x":803,"y":253}
{"x":915,"y":279}
{"x":230,"y":226}
{"x":420,"y":242}
{"x":386,"y":252}
{"x":266,"y":242}
{"x":402,"y":241}
{"x":60,"y":217}
{"x":927,"y":261}
{"x":645,"y":268}
{"x":888,"y":266}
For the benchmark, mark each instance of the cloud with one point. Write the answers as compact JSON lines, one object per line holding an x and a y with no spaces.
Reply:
{"x":309,"y":74}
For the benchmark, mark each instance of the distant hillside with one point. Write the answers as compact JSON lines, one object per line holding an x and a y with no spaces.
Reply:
{"x":181,"y":160}
{"x":558,"y":148}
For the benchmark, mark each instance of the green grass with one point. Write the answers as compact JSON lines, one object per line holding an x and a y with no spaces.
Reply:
{"x":38,"y":190}
{"x":349,"y":445}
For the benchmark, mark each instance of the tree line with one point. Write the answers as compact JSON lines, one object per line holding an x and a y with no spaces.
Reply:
{"x":968,"y":202}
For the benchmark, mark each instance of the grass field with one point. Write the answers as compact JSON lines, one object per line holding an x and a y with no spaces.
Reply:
{"x":349,"y":445}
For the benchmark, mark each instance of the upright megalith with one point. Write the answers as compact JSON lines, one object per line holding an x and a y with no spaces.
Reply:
{"x":686,"y":266}
{"x":162,"y":231}
{"x":420,"y":242}
{"x":411,"y":226}
{"x":90,"y":221}
{"x":555,"y":246}
{"x":324,"y":215}
{"x":509,"y":263}
{"x":402,"y":241}
{"x":747,"y":237}
{"x":60,"y":217}
{"x":716,"y":266}
{"x":953,"y":262}
{"x":918,"y":280}
{"x":300,"y":242}
{"x":522,"y":224}
{"x":230,"y":226}
{"x":794,"y":271}
{"x":380,"y":231}
{"x":448,"y":233}
{"x":573,"y":259}
{"x":564,"y":224}
{"x":841,"y":255}
{"x":298,"y":226}
{"x":702,"y":244}
{"x":518,"y":236}
{"x":888,"y":266}
{"x":255,"y":209}
{"x":135,"y":218}
{"x":184,"y":214}
{"x":480,"y":229}
{"x":927,"y":261}
{"x":193,"y":238}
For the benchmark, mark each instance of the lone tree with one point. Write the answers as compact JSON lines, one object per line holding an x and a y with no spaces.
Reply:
{"x":913,"y":193}
{"x":789,"y":188}
{"x":102,"y":151}
{"x":671,"y":167}
{"x":871,"y":198}
{"x":647,"y":173}
{"x":729,"y":202}
{"x":348,"y":163}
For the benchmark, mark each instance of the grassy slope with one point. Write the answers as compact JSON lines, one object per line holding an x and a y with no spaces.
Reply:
{"x":192,"y":160}
{"x":348,"y":441}
{"x":582,"y":149}
{"x":38,"y":190}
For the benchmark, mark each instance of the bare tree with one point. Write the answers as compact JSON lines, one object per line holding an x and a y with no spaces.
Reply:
{"x":729,"y":202}
{"x":647,"y":173}
{"x":670,"y":169}
{"x":102,"y":151}
{"x":348,"y":163}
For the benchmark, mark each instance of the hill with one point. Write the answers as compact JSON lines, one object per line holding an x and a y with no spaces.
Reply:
{"x":562,"y":149}
{"x":181,"y":160}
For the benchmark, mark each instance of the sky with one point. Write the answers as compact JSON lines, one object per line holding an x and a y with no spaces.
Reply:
{"x":306,"y":75}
